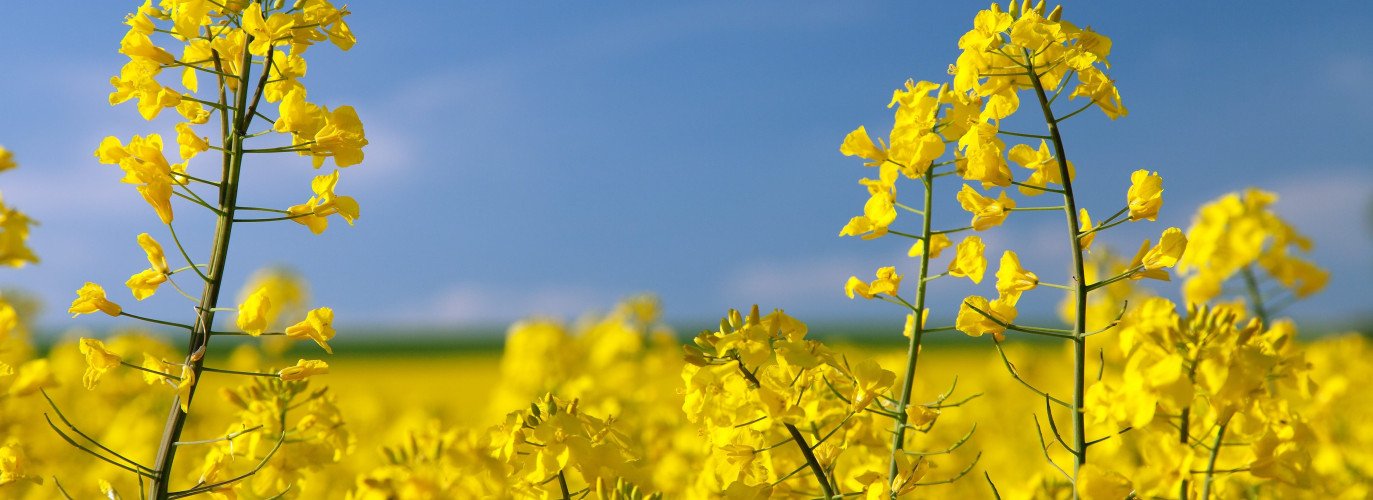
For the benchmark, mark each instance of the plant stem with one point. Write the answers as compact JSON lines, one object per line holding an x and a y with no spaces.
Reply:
{"x":1211,"y":463}
{"x":913,"y":350}
{"x":209,"y":298}
{"x":815,"y":467}
{"x":1251,"y":284}
{"x":1079,"y":277}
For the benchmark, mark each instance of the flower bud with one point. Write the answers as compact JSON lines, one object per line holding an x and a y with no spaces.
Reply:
{"x":996,"y":7}
{"x":1057,"y":14}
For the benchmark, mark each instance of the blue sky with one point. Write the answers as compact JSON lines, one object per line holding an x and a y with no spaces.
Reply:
{"x":551,"y":157}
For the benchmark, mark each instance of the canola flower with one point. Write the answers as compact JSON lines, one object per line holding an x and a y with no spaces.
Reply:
{"x":1207,"y":400}
{"x":254,"y":53}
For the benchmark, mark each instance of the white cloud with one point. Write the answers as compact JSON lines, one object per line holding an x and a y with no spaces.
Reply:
{"x":480,"y":303}
{"x":1331,"y":206}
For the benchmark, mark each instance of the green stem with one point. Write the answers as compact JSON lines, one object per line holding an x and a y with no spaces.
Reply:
{"x":913,"y":348}
{"x":1251,"y":284}
{"x":236,"y":372}
{"x":1211,"y":463}
{"x":228,"y":195}
{"x":1079,"y":279}
{"x":814,"y":463}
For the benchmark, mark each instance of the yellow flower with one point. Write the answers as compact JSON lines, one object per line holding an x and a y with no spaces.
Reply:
{"x":910,"y":322}
{"x":190,"y":143}
{"x":12,"y":465}
{"x":252,"y":313}
{"x":977,"y":324}
{"x":1086,"y":222}
{"x":858,"y":144}
{"x":137,"y":45}
{"x":341,"y":137}
{"x":1145,"y":195}
{"x":987,"y":212}
{"x":969,"y":262}
{"x":1170,"y":247}
{"x":33,"y":376}
{"x":318,"y":326}
{"x":1102,"y":90}
{"x":6,"y":159}
{"x":938,"y":243}
{"x":155,"y":364}
{"x":1011,"y":278}
{"x":98,"y":360}
{"x":145,"y":283}
{"x":1096,"y":483}
{"x":91,"y":298}
{"x":878,"y":213}
{"x":982,"y":158}
{"x":184,"y":387}
{"x":304,"y":368}
{"x":154,"y":250}
{"x":265,"y":32}
{"x":887,"y":282}
{"x":325,"y":203}
{"x":869,"y":380}
{"x":1045,"y":167}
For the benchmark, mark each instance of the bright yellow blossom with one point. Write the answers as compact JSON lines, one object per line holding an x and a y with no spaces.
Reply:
{"x":1170,"y":247}
{"x":190,"y":143}
{"x":1145,"y":196}
{"x":98,"y":360}
{"x":252,"y":313}
{"x":156,"y":257}
{"x":145,"y":283}
{"x":6,"y":159}
{"x":1011,"y":278}
{"x":977,"y":324}
{"x":1097,"y":483}
{"x":304,"y":368}
{"x":14,"y":465}
{"x":318,"y":326}
{"x":33,"y":376}
{"x":858,"y":144}
{"x":887,"y":282}
{"x":184,"y":387}
{"x":938,"y":243}
{"x":1042,"y":162}
{"x":325,"y":203}
{"x":91,"y":298}
{"x":1086,"y":224}
{"x":871,"y":381}
{"x":987,"y":212}
{"x":969,"y":262}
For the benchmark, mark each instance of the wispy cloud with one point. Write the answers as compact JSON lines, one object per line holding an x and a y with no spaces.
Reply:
{"x":484,"y":303}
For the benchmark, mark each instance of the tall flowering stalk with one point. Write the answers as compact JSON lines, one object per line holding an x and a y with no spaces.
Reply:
{"x":1025,"y":48}
{"x":254,"y":53}
{"x":1022,"y":48}
{"x":917,"y":140}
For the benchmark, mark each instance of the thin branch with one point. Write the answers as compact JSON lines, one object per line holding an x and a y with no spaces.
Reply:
{"x":1010,"y":367}
{"x":158,"y":321}
{"x":88,"y":450}
{"x":956,"y":477}
{"x":204,"y":488}
{"x":951,"y":447}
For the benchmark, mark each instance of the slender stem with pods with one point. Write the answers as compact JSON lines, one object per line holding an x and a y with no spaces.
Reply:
{"x":1079,"y":283}
{"x":913,"y":350}
{"x":233,"y":133}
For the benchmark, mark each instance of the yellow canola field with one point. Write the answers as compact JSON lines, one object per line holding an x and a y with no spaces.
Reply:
{"x":436,"y":426}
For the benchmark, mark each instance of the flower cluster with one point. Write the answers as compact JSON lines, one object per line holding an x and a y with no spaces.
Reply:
{"x":254,"y":52}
